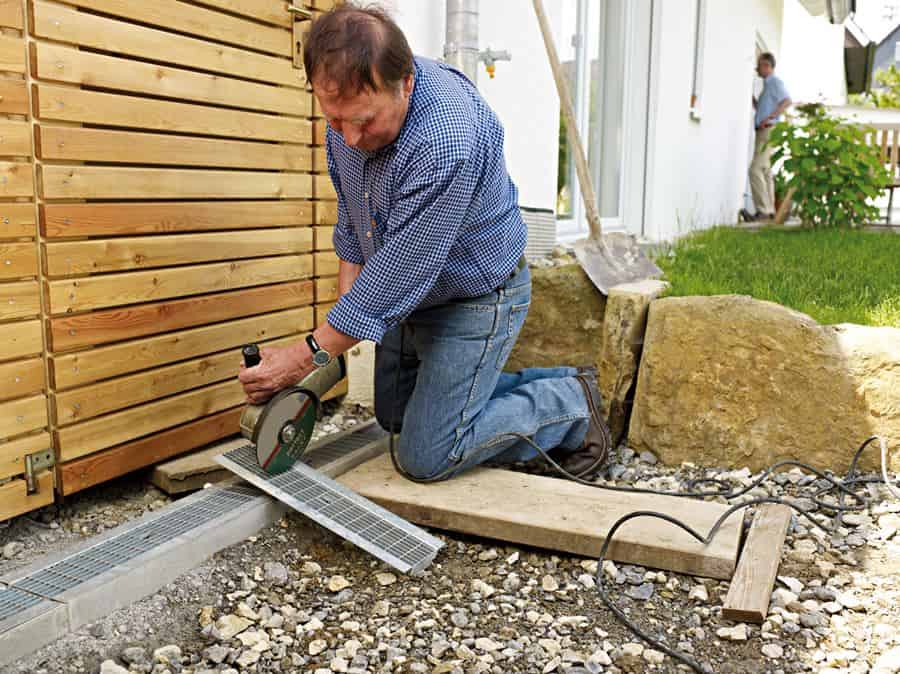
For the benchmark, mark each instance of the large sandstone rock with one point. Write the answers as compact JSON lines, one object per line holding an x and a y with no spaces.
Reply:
{"x":730,"y":380}
{"x":565,"y":321}
{"x":623,"y":337}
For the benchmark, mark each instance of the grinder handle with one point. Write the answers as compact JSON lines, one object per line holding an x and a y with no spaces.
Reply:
{"x":251,"y":355}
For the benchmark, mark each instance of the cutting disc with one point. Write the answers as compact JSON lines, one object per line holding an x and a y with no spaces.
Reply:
{"x":284,"y":429}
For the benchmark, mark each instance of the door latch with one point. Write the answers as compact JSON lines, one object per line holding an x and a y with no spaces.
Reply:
{"x":37,"y":463}
{"x":301,"y":16}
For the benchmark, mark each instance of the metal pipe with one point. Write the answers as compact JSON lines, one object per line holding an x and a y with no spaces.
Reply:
{"x":461,"y":37}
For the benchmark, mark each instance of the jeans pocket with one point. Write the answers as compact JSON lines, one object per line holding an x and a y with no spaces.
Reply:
{"x":517,"y":315}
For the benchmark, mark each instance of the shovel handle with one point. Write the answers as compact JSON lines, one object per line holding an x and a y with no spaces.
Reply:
{"x":251,"y":355}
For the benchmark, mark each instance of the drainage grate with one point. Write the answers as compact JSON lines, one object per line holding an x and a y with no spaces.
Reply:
{"x":85,"y":565}
{"x":330,"y":450}
{"x":14,"y":601}
{"x":371,"y":527}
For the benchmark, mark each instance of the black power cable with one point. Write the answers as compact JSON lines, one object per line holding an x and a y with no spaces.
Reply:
{"x":723,"y":489}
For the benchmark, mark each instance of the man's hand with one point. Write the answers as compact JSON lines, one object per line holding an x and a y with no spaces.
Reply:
{"x":280,"y":367}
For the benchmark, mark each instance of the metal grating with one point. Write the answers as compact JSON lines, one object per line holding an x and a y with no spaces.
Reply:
{"x":14,"y":601}
{"x":329,"y":450}
{"x":379,"y":532}
{"x":85,"y":565}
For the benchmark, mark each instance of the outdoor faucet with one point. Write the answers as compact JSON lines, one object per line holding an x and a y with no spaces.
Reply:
{"x":490,"y":58}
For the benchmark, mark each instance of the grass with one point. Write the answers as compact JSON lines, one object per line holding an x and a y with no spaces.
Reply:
{"x":834,"y":275}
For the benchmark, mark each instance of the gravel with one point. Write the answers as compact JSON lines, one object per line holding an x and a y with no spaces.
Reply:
{"x":295,"y":598}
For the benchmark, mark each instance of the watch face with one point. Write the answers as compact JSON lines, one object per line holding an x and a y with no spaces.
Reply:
{"x":321,"y":358}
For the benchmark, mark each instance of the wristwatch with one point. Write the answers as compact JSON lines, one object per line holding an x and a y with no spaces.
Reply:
{"x":320,"y":356}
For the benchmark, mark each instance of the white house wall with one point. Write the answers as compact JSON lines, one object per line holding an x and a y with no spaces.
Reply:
{"x":697,"y":169}
{"x":522,"y":94}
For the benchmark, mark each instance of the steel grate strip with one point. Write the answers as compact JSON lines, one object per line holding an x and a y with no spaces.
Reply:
{"x":14,"y":601}
{"x":376,"y":530}
{"x":330,"y":450}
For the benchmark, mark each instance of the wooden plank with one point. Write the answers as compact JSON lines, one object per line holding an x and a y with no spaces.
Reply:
{"x":751,"y":588}
{"x":66,"y":64}
{"x":20,"y":339}
{"x":21,"y":378}
{"x":19,"y":300}
{"x":327,"y":289}
{"x":556,"y":514}
{"x":15,"y":138}
{"x":185,"y":18}
{"x":59,"y":220}
{"x":111,"y":290}
{"x":13,"y":97}
{"x":12,"y":453}
{"x":16,"y":179}
{"x":274,"y":12}
{"x":93,"y":400}
{"x":325,"y":263}
{"x":91,"y":470}
{"x":81,"y":144}
{"x":16,"y":219}
{"x":23,"y":415}
{"x":65,"y":24}
{"x":338,"y":390}
{"x":323,"y":188}
{"x":113,"y":429}
{"x":114,"y":182}
{"x":326,"y":213}
{"x":111,"y":325}
{"x":18,"y":260}
{"x":194,"y":470}
{"x":12,"y":54}
{"x":15,"y":499}
{"x":109,"y":361}
{"x":323,"y":238}
{"x":320,"y":160}
{"x":84,"y":257}
{"x":94,"y":107}
{"x":11,"y":14}
{"x":322,"y":312}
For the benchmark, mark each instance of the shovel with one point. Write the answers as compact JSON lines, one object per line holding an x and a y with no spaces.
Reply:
{"x":609,"y":259}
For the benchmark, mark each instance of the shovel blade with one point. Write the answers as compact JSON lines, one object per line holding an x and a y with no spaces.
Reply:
{"x":615,"y":259}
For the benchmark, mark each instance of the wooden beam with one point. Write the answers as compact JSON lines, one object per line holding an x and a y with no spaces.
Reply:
{"x":751,"y":588}
{"x":326,"y":213}
{"x":15,"y":499}
{"x":325,"y":263}
{"x":11,"y":14}
{"x":12,"y":453}
{"x":17,"y":260}
{"x":160,"y":217}
{"x":192,"y":471}
{"x":13,"y":97}
{"x":270,"y":12}
{"x":23,"y":415}
{"x":91,"y":470}
{"x":16,"y":219}
{"x":12,"y":54}
{"x":20,"y":378}
{"x":111,"y":325}
{"x":323,"y":188}
{"x":556,"y":514}
{"x":20,"y":300}
{"x":15,"y":138}
{"x":20,"y":339}
{"x":16,"y":180}
{"x":326,"y":289}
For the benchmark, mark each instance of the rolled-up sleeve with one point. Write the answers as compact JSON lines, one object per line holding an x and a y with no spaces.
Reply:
{"x":346,"y":243}
{"x":432,"y":201}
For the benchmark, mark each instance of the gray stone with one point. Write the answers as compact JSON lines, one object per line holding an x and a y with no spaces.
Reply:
{"x":167,"y":654}
{"x":641,"y":592}
{"x":135,"y":655}
{"x":12,"y":549}
{"x":276,"y":573}
{"x":216,"y":654}
{"x":773,"y":651}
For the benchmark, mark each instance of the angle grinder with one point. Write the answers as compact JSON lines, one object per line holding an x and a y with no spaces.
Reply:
{"x":282,"y":427}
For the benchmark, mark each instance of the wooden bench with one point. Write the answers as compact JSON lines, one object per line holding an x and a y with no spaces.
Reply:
{"x":886,"y":137}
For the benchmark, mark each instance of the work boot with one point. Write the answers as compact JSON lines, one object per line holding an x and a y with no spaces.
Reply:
{"x":593,"y":454}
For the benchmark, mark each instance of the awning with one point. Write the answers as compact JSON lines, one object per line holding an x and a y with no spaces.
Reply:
{"x":834,"y":10}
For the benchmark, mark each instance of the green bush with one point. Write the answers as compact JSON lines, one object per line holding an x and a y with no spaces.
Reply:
{"x":834,"y":173}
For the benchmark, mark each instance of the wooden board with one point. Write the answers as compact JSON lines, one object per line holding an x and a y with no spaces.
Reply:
{"x":324,"y":188}
{"x":21,"y":378}
{"x":97,"y":292}
{"x":270,"y":12}
{"x":12,"y":453}
{"x":18,"y":260}
{"x":66,"y":24}
{"x":118,"y":359}
{"x":192,"y":471}
{"x":194,"y":20}
{"x":15,"y":138}
{"x":62,"y":220}
{"x":112,"y":182}
{"x":322,"y":312}
{"x":323,"y":238}
{"x":325,"y":263}
{"x":96,"y":468}
{"x":66,"y":64}
{"x":16,"y":180}
{"x":20,"y":339}
{"x":19,"y":300}
{"x":23,"y":415}
{"x":15,"y":499}
{"x":110,"y":325}
{"x":555,"y":514}
{"x":94,"y":107}
{"x":326,"y":213}
{"x":103,"y":397}
{"x":13,"y":97}
{"x":11,"y":14}
{"x":16,"y":220}
{"x":751,"y":588}
{"x":89,"y":257}
{"x":113,"y":429}
{"x":327,"y":289}
{"x":12,"y":54}
{"x":104,"y":145}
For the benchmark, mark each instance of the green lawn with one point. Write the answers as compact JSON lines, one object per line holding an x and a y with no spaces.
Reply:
{"x":835,"y":276}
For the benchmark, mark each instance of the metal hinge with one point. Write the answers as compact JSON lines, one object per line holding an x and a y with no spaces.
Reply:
{"x":37,"y":463}
{"x":301,"y":16}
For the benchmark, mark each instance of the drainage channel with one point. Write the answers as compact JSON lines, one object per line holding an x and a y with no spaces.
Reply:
{"x":40,"y":604}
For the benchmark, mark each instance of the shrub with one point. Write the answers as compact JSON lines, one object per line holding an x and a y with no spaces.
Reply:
{"x":834,"y":173}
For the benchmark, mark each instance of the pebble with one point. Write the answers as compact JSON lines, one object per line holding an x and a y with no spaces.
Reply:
{"x":310,"y":569}
{"x":849,"y":601}
{"x":888,"y":662}
{"x":12,"y":549}
{"x":216,"y":654}
{"x":629,"y":654}
{"x":167,"y":654}
{"x":699,"y":593}
{"x":384,"y":579}
{"x":641,"y":592}
{"x":654,"y":657}
{"x":482,"y":588}
{"x":549,"y":583}
{"x":773,"y":651}
{"x":487,"y":645}
{"x":648,"y":458}
{"x":338,"y":583}
{"x":231,"y":625}
{"x":248,"y":657}
{"x":736,"y":633}
{"x":135,"y":655}
{"x":111,"y":667}
{"x":276,"y":573}
{"x":316,"y":646}
{"x":792,"y":584}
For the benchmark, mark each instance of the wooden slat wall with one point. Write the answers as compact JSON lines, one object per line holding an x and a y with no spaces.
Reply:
{"x":180,"y":213}
{"x":24,"y":426}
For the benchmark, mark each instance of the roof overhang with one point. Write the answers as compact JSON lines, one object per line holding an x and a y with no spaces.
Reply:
{"x":834,"y":10}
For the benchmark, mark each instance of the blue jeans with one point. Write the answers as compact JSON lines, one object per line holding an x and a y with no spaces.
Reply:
{"x":455,"y":407}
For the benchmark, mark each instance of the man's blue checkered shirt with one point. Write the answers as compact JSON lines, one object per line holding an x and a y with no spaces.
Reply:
{"x":432,"y":217}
